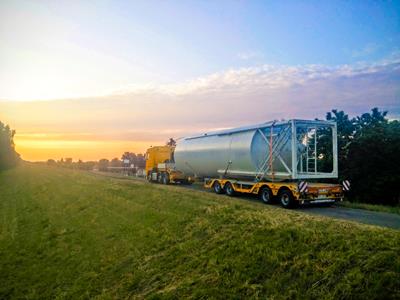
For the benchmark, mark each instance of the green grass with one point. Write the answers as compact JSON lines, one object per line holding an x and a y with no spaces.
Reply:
{"x":373,"y":207}
{"x":70,"y":234}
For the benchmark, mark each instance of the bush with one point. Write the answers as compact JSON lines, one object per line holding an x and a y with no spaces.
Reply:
{"x":8,"y":157}
{"x":368,"y":157}
{"x":373,"y":164}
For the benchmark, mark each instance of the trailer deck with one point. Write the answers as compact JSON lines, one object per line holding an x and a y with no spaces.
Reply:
{"x":289,"y":194}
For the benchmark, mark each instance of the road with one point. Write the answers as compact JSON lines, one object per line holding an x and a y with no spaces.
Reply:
{"x":358,"y":215}
{"x":334,"y":211}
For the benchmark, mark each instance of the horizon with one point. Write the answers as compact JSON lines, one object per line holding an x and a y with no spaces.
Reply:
{"x":91,"y":81}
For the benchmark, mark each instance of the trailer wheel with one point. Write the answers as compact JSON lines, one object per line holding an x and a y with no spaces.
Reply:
{"x":165,"y":178}
{"x":217,"y":188}
{"x":266,"y":195}
{"x":160,"y":177}
{"x":229,"y":190}
{"x":286,"y":199}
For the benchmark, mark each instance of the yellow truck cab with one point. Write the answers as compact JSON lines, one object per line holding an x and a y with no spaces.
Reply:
{"x":160,"y":166}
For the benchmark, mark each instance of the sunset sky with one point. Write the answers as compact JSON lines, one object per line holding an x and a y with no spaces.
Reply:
{"x":92,"y":79}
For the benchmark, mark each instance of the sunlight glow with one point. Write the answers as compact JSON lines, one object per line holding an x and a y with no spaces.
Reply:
{"x":41,"y":150}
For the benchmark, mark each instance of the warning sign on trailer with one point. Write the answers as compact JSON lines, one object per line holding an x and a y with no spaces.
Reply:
{"x":346,"y":185}
{"x":303,"y":187}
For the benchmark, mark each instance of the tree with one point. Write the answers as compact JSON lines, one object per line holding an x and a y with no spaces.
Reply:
{"x":51,"y":162}
{"x":137,"y":159}
{"x":88,"y":165}
{"x":369,"y":120}
{"x":103,"y":164}
{"x":171,"y":142}
{"x":68,"y":162}
{"x":130,"y":156}
{"x":8,"y":156}
{"x":374,"y":163}
{"x":115,"y":163}
{"x":80,"y":164}
{"x":85,"y":165}
{"x":367,"y":156}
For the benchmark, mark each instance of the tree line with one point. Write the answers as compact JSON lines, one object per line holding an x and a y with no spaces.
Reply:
{"x":127,"y":160}
{"x":368,"y":155}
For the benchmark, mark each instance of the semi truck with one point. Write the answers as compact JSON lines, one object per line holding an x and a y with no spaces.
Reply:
{"x":293,"y":161}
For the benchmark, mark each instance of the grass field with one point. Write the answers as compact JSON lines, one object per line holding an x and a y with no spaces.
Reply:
{"x":70,"y":234}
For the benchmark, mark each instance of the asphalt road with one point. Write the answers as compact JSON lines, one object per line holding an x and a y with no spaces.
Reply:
{"x":358,"y":215}
{"x":334,"y":211}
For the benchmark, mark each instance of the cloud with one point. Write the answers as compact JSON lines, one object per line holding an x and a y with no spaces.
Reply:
{"x":248,"y":55}
{"x":366,"y":50}
{"x":270,"y":78}
{"x":236,"y":97}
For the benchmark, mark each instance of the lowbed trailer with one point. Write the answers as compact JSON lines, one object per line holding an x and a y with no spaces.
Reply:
{"x":289,"y":194}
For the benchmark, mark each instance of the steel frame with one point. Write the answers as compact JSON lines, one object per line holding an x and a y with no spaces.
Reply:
{"x":293,"y":172}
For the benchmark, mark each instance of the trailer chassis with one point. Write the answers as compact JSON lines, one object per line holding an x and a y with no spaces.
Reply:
{"x":289,"y":194}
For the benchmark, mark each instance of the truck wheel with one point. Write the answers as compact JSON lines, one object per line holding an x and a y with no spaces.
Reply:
{"x":217,"y":188}
{"x":153,"y":177}
{"x":229,"y":189}
{"x":165,"y":179}
{"x":266,"y":195}
{"x":286,"y":199}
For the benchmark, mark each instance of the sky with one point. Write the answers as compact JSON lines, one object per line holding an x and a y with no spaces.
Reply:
{"x":92,"y":79}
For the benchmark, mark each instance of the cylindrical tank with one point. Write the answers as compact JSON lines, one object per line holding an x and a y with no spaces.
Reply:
{"x":238,"y":153}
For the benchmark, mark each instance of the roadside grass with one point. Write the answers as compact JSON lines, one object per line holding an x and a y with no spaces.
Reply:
{"x":71,"y":234}
{"x":372,"y":207}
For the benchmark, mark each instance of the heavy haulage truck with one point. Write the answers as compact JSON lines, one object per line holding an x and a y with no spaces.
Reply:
{"x":276,"y":160}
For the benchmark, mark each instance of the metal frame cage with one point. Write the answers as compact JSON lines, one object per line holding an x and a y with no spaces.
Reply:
{"x":306,"y":154}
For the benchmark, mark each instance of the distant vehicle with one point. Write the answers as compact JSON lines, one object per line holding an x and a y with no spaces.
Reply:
{"x":281,"y":160}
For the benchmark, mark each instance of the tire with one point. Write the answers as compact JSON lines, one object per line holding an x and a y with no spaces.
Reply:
{"x":286,"y":199}
{"x":229,"y":190}
{"x":266,"y":195}
{"x":218,"y":188}
{"x":165,"y":179}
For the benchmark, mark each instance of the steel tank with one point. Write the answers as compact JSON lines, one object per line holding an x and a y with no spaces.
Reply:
{"x":237,"y":153}
{"x":245,"y":152}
